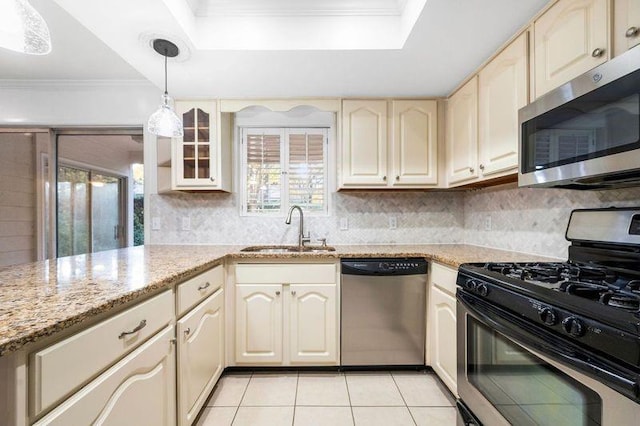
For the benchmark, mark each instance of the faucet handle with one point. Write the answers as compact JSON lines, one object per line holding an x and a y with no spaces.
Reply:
{"x":323,"y":241}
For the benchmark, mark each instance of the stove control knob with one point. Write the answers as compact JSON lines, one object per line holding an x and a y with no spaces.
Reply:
{"x":482,"y":289}
{"x":573,"y":326}
{"x":470,"y":285}
{"x":548,"y":316}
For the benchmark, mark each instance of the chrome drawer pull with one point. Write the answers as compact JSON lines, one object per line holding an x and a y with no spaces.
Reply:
{"x":139,"y":327}
{"x":204,"y":286}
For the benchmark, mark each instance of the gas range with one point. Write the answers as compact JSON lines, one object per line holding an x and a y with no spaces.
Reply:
{"x":591,"y":301}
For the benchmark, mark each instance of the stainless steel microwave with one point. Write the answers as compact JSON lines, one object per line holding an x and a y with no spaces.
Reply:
{"x":586,"y":133}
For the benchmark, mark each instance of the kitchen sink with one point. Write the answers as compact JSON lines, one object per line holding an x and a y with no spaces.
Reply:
{"x":288,"y":249}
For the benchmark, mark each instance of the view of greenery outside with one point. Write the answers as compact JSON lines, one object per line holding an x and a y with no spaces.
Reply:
{"x":138,"y":204}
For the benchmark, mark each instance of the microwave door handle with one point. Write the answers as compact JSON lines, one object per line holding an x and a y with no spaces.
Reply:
{"x":527,"y":335}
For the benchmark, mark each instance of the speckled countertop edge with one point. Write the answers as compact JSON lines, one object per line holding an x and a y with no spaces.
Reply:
{"x":40,"y":299}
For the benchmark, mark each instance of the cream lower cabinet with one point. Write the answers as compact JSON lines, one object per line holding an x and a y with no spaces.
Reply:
{"x":138,"y":390}
{"x":294,"y":322}
{"x":442,"y":324}
{"x":200,"y":340}
{"x":570,"y":38}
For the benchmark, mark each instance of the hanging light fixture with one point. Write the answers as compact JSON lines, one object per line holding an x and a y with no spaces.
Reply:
{"x":165,"y":121}
{"x":22,"y":28}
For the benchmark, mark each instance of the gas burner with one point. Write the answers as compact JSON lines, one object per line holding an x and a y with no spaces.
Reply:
{"x":623,"y":300}
{"x":581,"y":289}
{"x":633,"y":286}
{"x":590,"y":273}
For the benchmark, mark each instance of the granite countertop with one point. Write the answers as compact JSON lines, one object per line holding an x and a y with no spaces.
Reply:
{"x":42,"y":298}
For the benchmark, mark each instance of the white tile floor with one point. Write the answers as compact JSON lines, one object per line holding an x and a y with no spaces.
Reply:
{"x":329,"y":398}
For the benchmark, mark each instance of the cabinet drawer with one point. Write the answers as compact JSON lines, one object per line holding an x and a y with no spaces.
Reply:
{"x":61,"y":368}
{"x":139,"y":390}
{"x":286,"y":273}
{"x":444,"y":278}
{"x":191,"y":292}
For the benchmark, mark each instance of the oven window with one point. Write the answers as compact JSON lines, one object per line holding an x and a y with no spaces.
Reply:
{"x":523,"y":388}
{"x":602,"y":122}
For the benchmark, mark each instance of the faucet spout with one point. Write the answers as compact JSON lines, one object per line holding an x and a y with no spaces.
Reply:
{"x":301,"y":238}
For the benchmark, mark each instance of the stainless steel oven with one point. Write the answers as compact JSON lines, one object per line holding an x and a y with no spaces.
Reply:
{"x":586,"y":133}
{"x":555,"y":343}
{"x":510,"y":373}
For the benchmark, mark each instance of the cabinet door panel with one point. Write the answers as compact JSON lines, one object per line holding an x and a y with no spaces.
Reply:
{"x":443,"y":344}
{"x":138,"y":390}
{"x":200,"y":336}
{"x":565,"y":38}
{"x":197,"y":154}
{"x":259,"y":323}
{"x":502,"y":92}
{"x":415,"y":144}
{"x":364,"y":143}
{"x":627,"y":18}
{"x":462,"y":134}
{"x":313,"y":326}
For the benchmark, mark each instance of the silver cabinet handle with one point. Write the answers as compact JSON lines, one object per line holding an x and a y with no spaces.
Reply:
{"x":631,"y":32}
{"x":212,"y":179}
{"x":138,"y":327}
{"x":293,"y":293}
{"x":384,"y":178}
{"x":204,"y":286}
{"x":481,"y":166}
{"x":597,"y":52}
{"x":187,"y":331}
{"x":277,"y":293}
{"x":471,"y":170}
{"x":397,"y":177}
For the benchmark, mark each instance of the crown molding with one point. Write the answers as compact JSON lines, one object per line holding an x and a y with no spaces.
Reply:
{"x":71,"y":84}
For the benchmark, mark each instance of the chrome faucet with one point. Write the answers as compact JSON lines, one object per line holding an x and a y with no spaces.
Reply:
{"x":301,"y":238}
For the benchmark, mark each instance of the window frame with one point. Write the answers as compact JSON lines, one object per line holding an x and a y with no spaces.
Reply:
{"x":284,"y":133}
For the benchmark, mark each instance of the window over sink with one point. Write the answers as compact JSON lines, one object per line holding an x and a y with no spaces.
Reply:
{"x":282,"y":167}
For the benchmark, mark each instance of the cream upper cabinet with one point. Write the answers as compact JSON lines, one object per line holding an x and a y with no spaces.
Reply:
{"x":200,"y":340}
{"x":626,"y":25}
{"x":313,"y":327}
{"x":502,"y":86}
{"x":569,"y":39}
{"x":414,"y":146}
{"x":442,"y":324}
{"x":202,"y":155}
{"x":364,"y":143}
{"x":462,"y":134}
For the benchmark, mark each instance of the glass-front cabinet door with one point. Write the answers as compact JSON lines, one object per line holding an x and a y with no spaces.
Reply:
{"x":197,"y":152}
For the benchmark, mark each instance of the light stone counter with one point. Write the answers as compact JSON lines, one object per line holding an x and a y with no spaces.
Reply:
{"x":43,"y":298}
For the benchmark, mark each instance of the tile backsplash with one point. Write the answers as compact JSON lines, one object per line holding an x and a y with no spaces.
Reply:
{"x":506,"y":217}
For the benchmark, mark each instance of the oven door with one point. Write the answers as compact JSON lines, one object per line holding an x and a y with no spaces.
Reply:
{"x":503,"y":380}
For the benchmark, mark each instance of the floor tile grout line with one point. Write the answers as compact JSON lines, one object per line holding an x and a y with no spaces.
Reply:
{"x":240,"y":402}
{"x":295,"y":399}
{"x":403,"y":400}
{"x":346,"y":383}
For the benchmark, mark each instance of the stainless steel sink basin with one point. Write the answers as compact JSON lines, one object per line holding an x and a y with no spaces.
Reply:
{"x":288,"y":249}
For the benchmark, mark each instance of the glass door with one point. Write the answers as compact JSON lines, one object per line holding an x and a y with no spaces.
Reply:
{"x":90,"y":211}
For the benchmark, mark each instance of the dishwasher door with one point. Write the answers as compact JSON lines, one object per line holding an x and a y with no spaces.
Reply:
{"x":383,"y":320}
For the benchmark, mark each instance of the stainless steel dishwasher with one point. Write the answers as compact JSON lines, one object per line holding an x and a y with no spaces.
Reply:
{"x":383,"y":305}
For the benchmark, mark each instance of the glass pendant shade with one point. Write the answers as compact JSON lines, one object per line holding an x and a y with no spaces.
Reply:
{"x":165,"y":121}
{"x":22,"y":29}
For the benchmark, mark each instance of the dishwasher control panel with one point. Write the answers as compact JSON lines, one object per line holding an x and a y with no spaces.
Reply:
{"x":390,"y":266}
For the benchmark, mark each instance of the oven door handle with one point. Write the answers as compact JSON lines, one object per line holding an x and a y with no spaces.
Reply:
{"x":528,"y":334}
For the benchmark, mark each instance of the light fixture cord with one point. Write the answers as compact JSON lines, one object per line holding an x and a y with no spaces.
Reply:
{"x":166,"y":57}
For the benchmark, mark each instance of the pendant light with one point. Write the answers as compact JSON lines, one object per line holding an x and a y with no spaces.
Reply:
{"x":165,"y":121}
{"x":22,"y":28}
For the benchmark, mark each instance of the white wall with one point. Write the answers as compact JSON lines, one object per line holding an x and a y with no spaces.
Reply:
{"x":17,"y":198}
{"x":90,"y":103}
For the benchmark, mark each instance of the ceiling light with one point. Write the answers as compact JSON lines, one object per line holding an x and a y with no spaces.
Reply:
{"x":22,"y":29}
{"x":165,"y":121}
